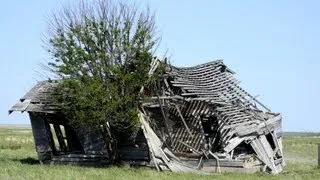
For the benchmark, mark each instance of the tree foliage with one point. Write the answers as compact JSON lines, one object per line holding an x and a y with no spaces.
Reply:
{"x":101,"y":51}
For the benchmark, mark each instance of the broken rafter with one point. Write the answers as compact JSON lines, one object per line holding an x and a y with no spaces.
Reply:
{"x":223,"y":116}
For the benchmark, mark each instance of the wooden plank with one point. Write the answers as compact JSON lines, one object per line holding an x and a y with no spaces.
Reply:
{"x":233,"y":143}
{"x":262,"y":128}
{"x":41,"y":137}
{"x":20,"y":106}
{"x":264,"y":152}
{"x":60,"y":137}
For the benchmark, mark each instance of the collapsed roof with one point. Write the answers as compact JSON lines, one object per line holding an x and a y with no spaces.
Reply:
{"x":202,"y":112}
{"x":200,"y":121}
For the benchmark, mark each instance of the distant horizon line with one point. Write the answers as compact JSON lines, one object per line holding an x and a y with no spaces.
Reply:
{"x":8,"y":125}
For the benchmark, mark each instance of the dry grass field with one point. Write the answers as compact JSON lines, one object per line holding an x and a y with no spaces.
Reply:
{"x":18,"y":161}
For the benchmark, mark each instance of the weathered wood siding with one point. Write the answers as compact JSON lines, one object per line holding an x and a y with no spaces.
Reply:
{"x":41,"y":136}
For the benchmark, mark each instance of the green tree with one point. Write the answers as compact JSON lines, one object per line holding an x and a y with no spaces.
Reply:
{"x":102,"y":52}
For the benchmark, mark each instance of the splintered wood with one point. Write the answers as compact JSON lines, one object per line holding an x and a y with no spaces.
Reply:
{"x":201,"y":120}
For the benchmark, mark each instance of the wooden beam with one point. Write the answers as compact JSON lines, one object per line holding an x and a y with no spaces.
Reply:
{"x":183,"y":120}
{"x":60,"y":137}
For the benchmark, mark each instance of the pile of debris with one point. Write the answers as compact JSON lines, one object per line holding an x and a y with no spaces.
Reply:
{"x":199,"y":120}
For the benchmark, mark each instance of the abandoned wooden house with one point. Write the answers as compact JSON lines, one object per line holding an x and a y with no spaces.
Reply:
{"x":199,"y":121}
{"x":59,"y":142}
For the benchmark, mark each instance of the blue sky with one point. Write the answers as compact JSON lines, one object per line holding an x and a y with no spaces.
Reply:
{"x":273,"y":46}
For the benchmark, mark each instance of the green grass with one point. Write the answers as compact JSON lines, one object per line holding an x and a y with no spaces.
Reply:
{"x":18,"y":160}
